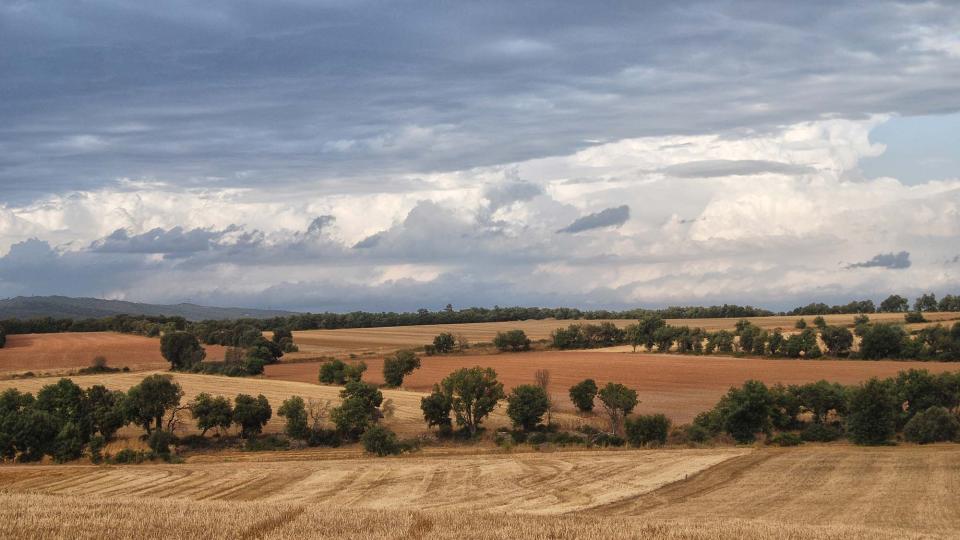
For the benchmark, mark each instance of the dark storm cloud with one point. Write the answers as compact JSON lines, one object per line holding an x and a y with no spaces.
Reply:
{"x":339,"y":93}
{"x":728,"y":167}
{"x":175,"y":241}
{"x":610,"y":217}
{"x":893,"y":261}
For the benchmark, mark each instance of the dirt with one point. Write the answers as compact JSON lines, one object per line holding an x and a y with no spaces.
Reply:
{"x":45,"y":352}
{"x":678,"y":386}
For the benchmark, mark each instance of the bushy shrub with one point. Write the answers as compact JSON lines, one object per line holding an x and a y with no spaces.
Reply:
{"x":607,"y":439}
{"x":882,"y":341}
{"x":914,"y":317}
{"x":380,"y":441}
{"x":644,"y":430}
{"x":526,"y":405}
{"x":872,"y":415}
{"x":786,"y":439}
{"x":338,"y":372}
{"x":160,"y":441}
{"x":935,"y":424}
{"x":444,"y":343}
{"x":582,"y":395}
{"x":399,"y":365}
{"x":820,"y":433}
{"x":512,"y":340}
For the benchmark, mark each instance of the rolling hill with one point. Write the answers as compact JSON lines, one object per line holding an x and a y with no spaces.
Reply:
{"x":63,"y":307}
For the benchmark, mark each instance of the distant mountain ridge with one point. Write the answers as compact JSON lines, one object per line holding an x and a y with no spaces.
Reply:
{"x":64,"y":307}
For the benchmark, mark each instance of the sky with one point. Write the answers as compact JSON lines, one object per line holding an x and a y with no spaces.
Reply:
{"x":339,"y":155}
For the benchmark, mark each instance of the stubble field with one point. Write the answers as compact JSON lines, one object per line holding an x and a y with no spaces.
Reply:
{"x":820,"y":492}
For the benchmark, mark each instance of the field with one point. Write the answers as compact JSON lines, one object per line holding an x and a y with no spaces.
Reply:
{"x":823,"y":492}
{"x":382,"y":340}
{"x":57,"y":352}
{"x":678,"y":386}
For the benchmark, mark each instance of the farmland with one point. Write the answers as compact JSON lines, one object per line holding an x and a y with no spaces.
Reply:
{"x":827,"y":492}
{"x":53,"y":352}
{"x":678,"y":386}
{"x":386,"y":339}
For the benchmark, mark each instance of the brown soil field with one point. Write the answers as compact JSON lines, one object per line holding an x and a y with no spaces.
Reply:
{"x":50,"y":352}
{"x":678,"y":386}
{"x":819,"y":492}
{"x":382,"y":340}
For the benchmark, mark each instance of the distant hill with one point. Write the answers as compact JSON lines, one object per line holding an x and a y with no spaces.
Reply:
{"x":63,"y":307}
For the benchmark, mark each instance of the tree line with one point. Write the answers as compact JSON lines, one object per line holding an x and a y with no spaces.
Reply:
{"x":877,"y":340}
{"x":920,"y":406}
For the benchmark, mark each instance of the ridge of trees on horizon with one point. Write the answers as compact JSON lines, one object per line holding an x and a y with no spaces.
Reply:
{"x":222,"y":331}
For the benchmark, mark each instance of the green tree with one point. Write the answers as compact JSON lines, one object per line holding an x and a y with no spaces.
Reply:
{"x":935,"y":424}
{"x":338,"y":372}
{"x":882,"y":341}
{"x":820,"y":398}
{"x":513,"y":340}
{"x":871,"y":413}
{"x":837,"y":339}
{"x":294,"y":410}
{"x":473,"y":394}
{"x":279,"y":334}
{"x":526,"y":405}
{"x":149,"y":401}
{"x":746,"y":411}
{"x":399,"y":365}
{"x":211,"y":412}
{"x":436,"y":409}
{"x":644,"y":430}
{"x":618,"y":401}
{"x":649,"y":323}
{"x":926,"y":302}
{"x":801,"y":324}
{"x":251,"y":414}
{"x":181,"y":349}
{"x":381,"y":441}
{"x":107,"y":410}
{"x":894,"y":303}
{"x":358,"y":410}
{"x":663,"y":338}
{"x":3,"y":337}
{"x":444,"y":343}
{"x":634,"y":336}
{"x":582,"y":394}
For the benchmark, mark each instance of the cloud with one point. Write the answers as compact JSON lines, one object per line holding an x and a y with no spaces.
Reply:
{"x":502,"y":195}
{"x":728,"y":167}
{"x":609,"y":217}
{"x":893,"y":261}
{"x":433,"y":88}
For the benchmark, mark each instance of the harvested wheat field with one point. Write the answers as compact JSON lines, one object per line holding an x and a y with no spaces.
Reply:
{"x":51,"y":352}
{"x":821,"y":492}
{"x":678,"y":386}
{"x":407,"y":418}
{"x":386,"y":339}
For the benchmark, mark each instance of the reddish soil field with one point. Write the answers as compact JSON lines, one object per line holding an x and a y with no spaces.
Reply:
{"x":35,"y":352}
{"x":678,"y":386}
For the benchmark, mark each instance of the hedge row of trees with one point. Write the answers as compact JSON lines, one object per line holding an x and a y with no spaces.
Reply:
{"x":3,"y":337}
{"x":921,"y":406}
{"x":237,"y":332}
{"x":892,"y":304}
{"x":877,"y":341}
